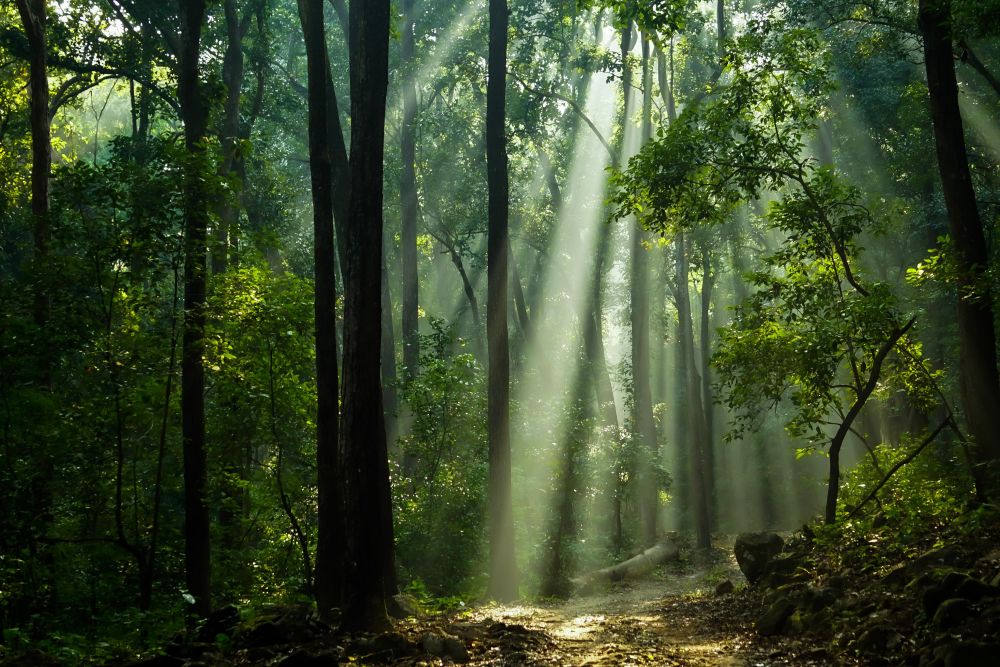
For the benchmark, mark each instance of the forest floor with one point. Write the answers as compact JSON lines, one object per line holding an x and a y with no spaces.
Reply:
{"x":672,"y":617}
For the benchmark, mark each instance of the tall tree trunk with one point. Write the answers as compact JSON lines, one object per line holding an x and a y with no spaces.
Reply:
{"x":362,"y":434}
{"x":692,"y":407}
{"x":707,"y":400}
{"x":328,"y":581}
{"x":232,"y":79}
{"x":33,"y":20}
{"x":979,"y":380}
{"x":408,"y":196}
{"x":389,"y":375}
{"x":503,"y":567}
{"x":194,"y":111}
{"x":643,"y":425}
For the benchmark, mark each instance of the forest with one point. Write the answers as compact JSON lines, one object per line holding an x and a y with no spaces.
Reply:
{"x":499,"y":332}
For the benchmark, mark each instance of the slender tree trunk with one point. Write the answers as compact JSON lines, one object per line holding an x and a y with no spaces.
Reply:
{"x":389,"y":376}
{"x":695,"y":419}
{"x":232,"y":78}
{"x":643,"y":424}
{"x":408,"y":196}
{"x":707,"y":400}
{"x":328,"y":581}
{"x":979,"y":380}
{"x":503,"y":567}
{"x":33,"y":19}
{"x":362,"y":434}
{"x":197,"y":553}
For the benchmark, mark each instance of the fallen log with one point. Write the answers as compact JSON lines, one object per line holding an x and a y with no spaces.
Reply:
{"x":632,"y":568}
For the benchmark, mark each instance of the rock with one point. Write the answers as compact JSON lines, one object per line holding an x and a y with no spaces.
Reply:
{"x":444,"y":646}
{"x":724,"y":588}
{"x":455,"y":649}
{"x":312,"y":658}
{"x":970,"y":654}
{"x":774,"y":619}
{"x":817,"y":598}
{"x":877,"y":639}
{"x":33,"y":658}
{"x":267,"y":633}
{"x":952,"y":612}
{"x":403,"y":606}
{"x":973,"y":589}
{"x":222,"y":621}
{"x":159,"y":661}
{"x":394,"y":643}
{"x":995,"y":581}
{"x":755,"y":551}
{"x":947,"y":556}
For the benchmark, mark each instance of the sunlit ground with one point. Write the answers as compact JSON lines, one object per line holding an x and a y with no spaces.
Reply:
{"x":655,"y":621}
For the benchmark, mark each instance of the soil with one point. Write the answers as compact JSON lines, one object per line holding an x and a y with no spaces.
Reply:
{"x":671,"y":618}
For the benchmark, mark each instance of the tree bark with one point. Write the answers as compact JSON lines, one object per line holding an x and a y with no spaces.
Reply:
{"x":33,"y":19}
{"x":503,"y":567}
{"x":644,"y":429}
{"x":408,"y":197}
{"x":194,"y":111}
{"x":368,"y":506}
{"x":707,"y":400}
{"x":692,"y":406}
{"x":330,"y":545}
{"x":978,"y":377}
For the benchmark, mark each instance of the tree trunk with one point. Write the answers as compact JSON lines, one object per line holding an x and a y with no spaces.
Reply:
{"x":328,"y":580}
{"x":707,"y":400}
{"x":232,"y":79}
{"x":33,"y":20}
{"x":688,"y":375}
{"x":389,"y":376}
{"x":979,"y":380}
{"x":644,"y":429}
{"x":194,"y":111}
{"x":636,"y":566}
{"x":503,"y":567}
{"x":368,"y":506}
{"x":408,"y":197}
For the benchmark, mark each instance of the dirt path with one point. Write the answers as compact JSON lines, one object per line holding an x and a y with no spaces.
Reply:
{"x":662,"y":621}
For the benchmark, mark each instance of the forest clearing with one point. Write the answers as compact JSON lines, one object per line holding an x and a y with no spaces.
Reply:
{"x":499,"y":332}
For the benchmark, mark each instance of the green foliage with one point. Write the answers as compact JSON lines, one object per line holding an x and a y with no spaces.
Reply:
{"x":439,"y":485}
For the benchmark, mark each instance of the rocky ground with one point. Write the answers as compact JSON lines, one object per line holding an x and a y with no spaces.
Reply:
{"x":792,"y":600}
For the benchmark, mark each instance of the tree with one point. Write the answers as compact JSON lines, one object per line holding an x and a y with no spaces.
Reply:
{"x":408,"y":196}
{"x":503,"y":567}
{"x":33,"y":19}
{"x":978,"y":376}
{"x":330,"y":542}
{"x":194,"y":112}
{"x":368,"y":506}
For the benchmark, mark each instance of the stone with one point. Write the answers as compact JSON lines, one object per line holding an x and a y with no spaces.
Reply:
{"x":394,"y":643}
{"x":817,"y":598}
{"x":444,"y":646}
{"x":724,"y":588}
{"x":311,"y":658}
{"x":970,"y":654}
{"x":403,"y":606}
{"x":755,"y":551}
{"x":973,"y":589}
{"x":159,"y":661}
{"x":774,"y":619}
{"x":33,"y":658}
{"x":952,"y":612}
{"x":877,"y":639}
{"x":947,"y":556}
{"x":222,"y":621}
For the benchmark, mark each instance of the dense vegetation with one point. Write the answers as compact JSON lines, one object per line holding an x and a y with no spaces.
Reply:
{"x":316,"y":302}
